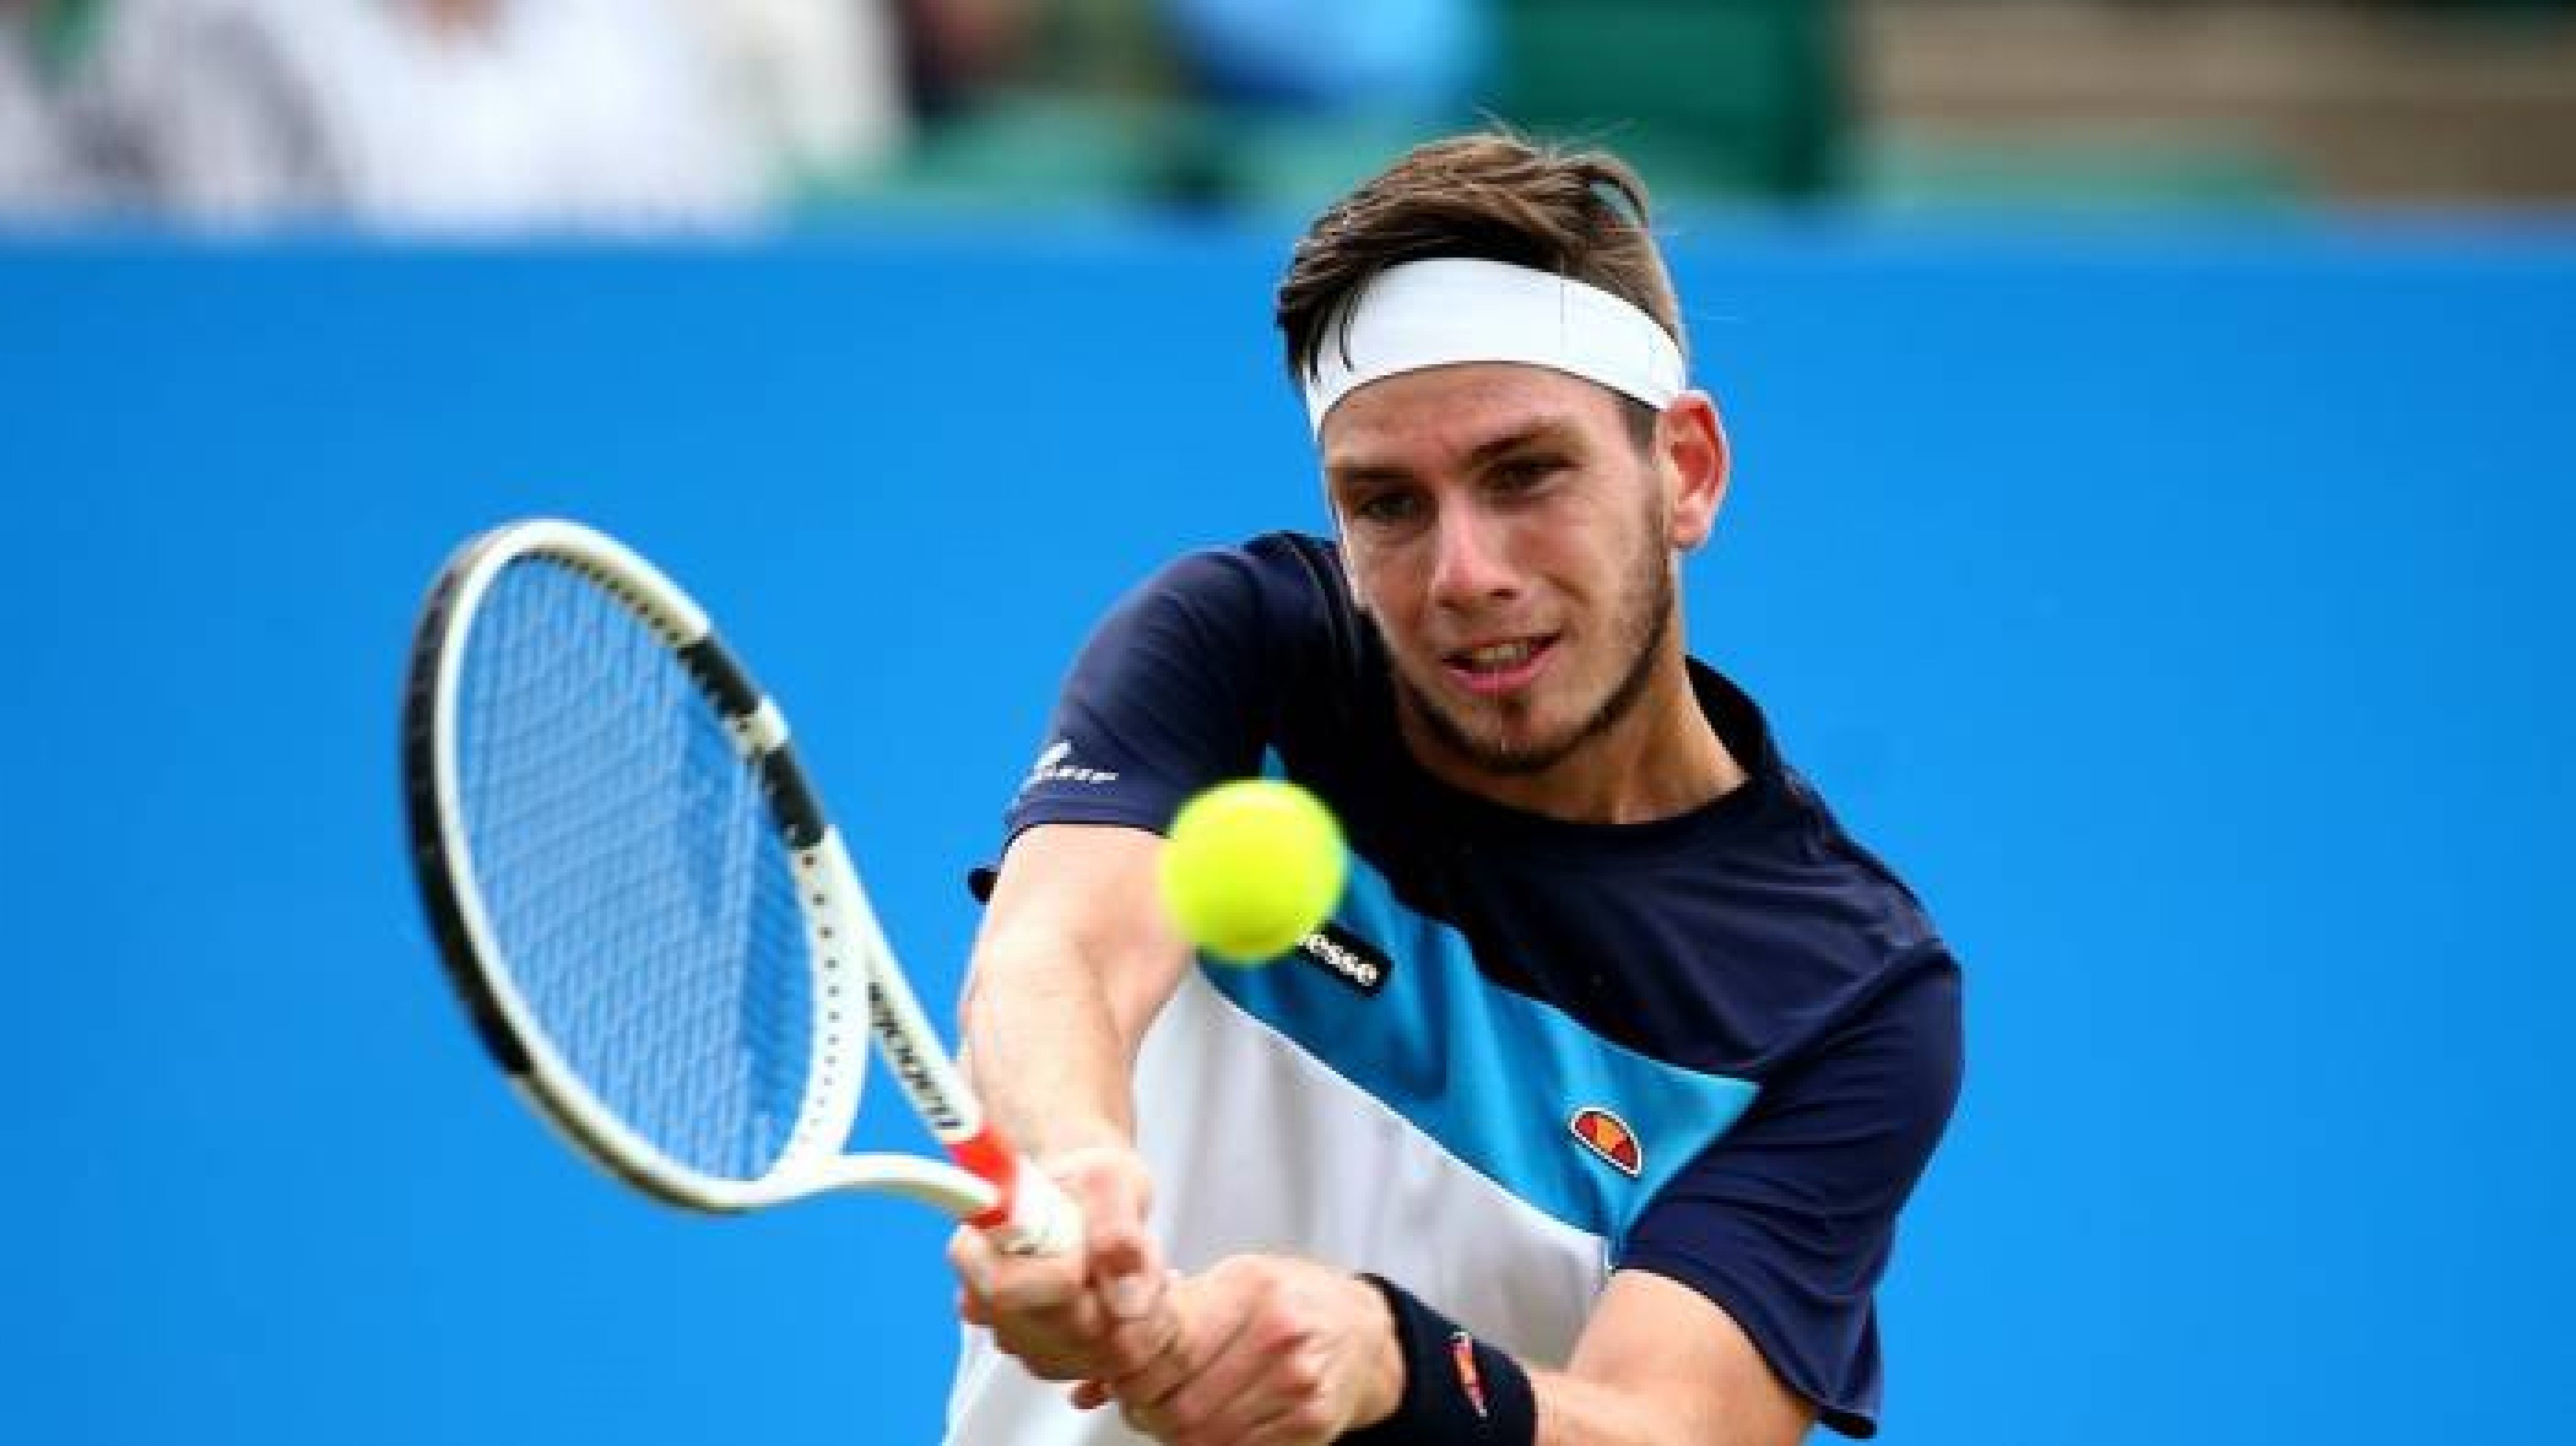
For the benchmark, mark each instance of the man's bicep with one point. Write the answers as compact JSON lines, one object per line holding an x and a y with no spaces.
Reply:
{"x":1086,"y":892}
{"x":1665,"y":1346}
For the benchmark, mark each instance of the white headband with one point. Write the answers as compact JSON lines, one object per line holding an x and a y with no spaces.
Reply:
{"x":1452,"y":309}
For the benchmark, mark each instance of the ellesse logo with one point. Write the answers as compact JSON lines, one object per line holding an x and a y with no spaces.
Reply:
{"x":1608,"y":1136}
{"x":1347,"y":957}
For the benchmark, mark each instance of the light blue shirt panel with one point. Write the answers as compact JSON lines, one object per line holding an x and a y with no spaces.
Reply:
{"x":1494,"y":1076}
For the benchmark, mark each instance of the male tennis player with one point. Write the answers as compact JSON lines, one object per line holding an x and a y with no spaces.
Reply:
{"x":1588,"y":1116}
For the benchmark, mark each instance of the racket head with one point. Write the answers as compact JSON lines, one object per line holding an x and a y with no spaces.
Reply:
{"x":627,"y":875}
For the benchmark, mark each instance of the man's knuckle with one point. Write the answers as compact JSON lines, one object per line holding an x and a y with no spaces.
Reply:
{"x":1283,"y":1334}
{"x":1300,"y":1376}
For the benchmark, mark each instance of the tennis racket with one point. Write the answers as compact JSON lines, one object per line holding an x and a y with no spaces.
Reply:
{"x":653,"y":927}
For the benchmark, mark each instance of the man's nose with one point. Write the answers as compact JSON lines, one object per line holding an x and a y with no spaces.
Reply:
{"x":1469,"y":567}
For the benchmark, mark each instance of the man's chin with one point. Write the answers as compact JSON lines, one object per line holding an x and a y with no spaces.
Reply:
{"x":1489,"y":747}
{"x":1526,"y":761}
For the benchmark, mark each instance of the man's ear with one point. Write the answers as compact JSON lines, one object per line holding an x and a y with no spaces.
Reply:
{"x":1691,"y":453}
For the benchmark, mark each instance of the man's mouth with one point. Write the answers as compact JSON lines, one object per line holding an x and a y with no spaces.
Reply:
{"x":1498,"y":667}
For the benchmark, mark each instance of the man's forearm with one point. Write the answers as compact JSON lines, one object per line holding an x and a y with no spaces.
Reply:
{"x":1658,"y":1366}
{"x":1043,"y":1047}
{"x":1576,"y":1412}
{"x":1074,"y":962}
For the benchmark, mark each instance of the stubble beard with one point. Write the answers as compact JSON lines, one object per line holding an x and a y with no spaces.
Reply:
{"x":1645,"y":617}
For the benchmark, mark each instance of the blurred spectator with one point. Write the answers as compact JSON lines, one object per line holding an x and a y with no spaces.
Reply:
{"x":474,"y":114}
{"x":954,"y":50}
{"x":820,"y":84}
{"x":1336,"y":57}
{"x":39,"y":170}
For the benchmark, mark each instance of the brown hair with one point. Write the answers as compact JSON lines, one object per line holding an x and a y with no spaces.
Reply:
{"x":1490,"y":197}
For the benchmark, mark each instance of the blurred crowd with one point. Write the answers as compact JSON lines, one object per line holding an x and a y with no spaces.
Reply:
{"x":452,"y":111}
{"x":485,"y":115}
{"x":643,"y":113}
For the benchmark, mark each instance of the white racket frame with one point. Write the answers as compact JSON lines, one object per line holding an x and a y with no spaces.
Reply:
{"x":855,"y":970}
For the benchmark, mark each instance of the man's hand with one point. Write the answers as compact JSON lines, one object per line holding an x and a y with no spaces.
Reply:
{"x":1271,"y":1352}
{"x":1101,"y":1313}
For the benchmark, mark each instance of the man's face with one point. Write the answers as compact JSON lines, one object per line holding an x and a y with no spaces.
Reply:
{"x":1514,"y":545}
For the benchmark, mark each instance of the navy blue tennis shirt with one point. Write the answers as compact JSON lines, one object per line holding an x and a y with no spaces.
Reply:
{"x":1719,"y":1047}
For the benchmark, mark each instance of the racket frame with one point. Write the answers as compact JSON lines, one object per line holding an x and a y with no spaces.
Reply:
{"x":985,"y":1184}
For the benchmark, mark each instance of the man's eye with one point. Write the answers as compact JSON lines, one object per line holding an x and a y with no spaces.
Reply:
{"x":1522,"y":473}
{"x":1387,"y":509}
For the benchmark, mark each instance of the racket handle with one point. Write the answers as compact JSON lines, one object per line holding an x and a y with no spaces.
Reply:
{"x":1038,"y":1219}
{"x":1030,"y":1213}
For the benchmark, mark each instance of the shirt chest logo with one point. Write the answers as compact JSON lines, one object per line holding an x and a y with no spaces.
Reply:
{"x":1351,"y":960}
{"x":1608,"y":1136}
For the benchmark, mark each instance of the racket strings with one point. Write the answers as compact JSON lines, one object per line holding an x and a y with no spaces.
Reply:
{"x":632,"y":875}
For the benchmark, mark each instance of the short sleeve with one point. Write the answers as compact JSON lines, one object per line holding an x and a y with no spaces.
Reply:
{"x":1166,"y":697}
{"x":1788,"y":1221}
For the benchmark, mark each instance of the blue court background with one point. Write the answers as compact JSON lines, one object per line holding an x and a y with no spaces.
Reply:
{"x":2186,"y":613}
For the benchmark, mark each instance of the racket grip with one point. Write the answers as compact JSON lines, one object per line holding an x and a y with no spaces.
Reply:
{"x":1030,"y":1213}
{"x":1039,"y":1218}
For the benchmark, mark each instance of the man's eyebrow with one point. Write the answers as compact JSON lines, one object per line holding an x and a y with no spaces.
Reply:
{"x":1353,"y":474}
{"x":1542,"y":430}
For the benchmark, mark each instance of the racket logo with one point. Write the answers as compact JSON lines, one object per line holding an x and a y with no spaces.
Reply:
{"x":1608,"y":1136}
{"x":909,"y":1068}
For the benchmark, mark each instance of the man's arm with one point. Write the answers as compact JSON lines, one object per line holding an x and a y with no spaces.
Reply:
{"x":1074,"y":960}
{"x":1072,"y":963}
{"x":1660,"y":1362}
{"x":1290,"y":1353}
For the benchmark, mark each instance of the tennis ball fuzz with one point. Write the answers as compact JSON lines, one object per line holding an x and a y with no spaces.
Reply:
{"x":1252,"y":867}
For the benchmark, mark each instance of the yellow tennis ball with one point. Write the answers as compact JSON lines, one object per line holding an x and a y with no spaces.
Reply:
{"x":1252,"y":867}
